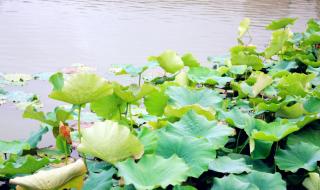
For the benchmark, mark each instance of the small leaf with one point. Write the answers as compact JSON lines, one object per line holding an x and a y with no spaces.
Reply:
{"x":243,"y":27}
{"x":35,"y":138}
{"x":281,"y":23}
{"x":170,"y":61}
{"x":189,"y":60}
{"x":278,"y":40}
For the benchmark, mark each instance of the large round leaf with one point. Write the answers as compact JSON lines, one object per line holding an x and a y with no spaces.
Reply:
{"x":197,"y":153}
{"x":204,"y":75}
{"x":253,"y":181}
{"x":296,"y":156}
{"x":110,"y":141}
{"x":195,"y":125}
{"x":80,"y":88}
{"x":225,"y":164}
{"x":274,"y":131}
{"x":181,"y":100}
{"x":153,"y":171}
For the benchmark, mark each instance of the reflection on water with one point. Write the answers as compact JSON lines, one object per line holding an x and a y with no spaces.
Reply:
{"x":46,"y":35}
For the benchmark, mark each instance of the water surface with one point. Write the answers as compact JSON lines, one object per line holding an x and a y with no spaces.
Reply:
{"x":47,"y":35}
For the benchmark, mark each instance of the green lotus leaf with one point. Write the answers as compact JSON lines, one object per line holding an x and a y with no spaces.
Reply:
{"x":238,"y":69}
{"x":278,"y":40}
{"x":23,"y":165}
{"x":225,"y":164}
{"x":189,"y":60}
{"x":169,"y":61}
{"x":239,"y":119}
{"x":13,"y":147}
{"x":253,"y":181}
{"x":295,"y":84}
{"x":252,"y":163}
{"x":312,"y":182}
{"x":31,"y":113}
{"x":197,"y":153}
{"x":274,"y":131}
{"x":100,"y":181}
{"x":35,"y":138}
{"x":231,"y":182}
{"x":131,"y":69}
{"x":307,"y":135}
{"x":81,"y":88}
{"x":281,"y":23}
{"x":312,"y":105}
{"x":205,"y":75}
{"x":293,"y":111}
{"x":313,"y":26}
{"x":194,"y":125}
{"x":181,"y":100}
{"x":59,"y":178}
{"x":108,"y":107}
{"x":98,"y":166}
{"x":243,"y":27}
{"x":133,"y":92}
{"x":311,"y":39}
{"x":182,"y":79}
{"x":156,"y":102}
{"x":282,"y":68}
{"x":260,"y":149}
{"x":296,"y":156}
{"x":246,"y":55}
{"x":149,"y":139}
{"x":153,"y":171}
{"x":110,"y":142}
{"x":261,"y":82}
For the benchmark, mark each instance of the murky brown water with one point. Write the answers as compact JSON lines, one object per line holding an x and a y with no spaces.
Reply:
{"x":46,"y":35}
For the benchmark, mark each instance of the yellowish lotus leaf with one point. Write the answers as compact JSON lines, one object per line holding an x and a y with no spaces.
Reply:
{"x":82,"y":88}
{"x":110,"y":141}
{"x":59,"y":178}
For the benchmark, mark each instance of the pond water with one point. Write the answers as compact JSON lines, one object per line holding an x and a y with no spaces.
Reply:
{"x":47,"y":35}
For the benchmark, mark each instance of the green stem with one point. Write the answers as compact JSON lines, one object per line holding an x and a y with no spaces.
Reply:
{"x":65,"y":152}
{"x":275,"y":152}
{"x":139,"y":79}
{"x":120,"y":116}
{"x":80,"y":135}
{"x":237,"y":142}
{"x":244,"y":145}
{"x":131,"y":120}
{"x":79,"y":128}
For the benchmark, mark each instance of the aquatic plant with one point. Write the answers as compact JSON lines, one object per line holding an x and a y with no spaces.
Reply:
{"x":249,"y":120}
